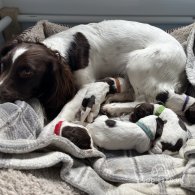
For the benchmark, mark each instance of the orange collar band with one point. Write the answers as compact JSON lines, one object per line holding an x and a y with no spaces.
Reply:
{"x":118,"y":86}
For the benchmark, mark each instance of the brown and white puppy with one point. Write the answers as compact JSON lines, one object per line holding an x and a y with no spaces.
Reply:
{"x":175,"y":132}
{"x":124,"y":135}
{"x":174,"y":135}
{"x":151,"y":60}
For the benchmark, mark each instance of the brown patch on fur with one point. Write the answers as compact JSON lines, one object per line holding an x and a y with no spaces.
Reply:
{"x":110,"y":123}
{"x":162,"y":97}
{"x":159,"y":129}
{"x":170,"y":147}
{"x":190,"y":114}
{"x":78,"y":136}
{"x":78,"y":54}
{"x":142,"y":110}
{"x":88,"y":102}
{"x":182,"y":125}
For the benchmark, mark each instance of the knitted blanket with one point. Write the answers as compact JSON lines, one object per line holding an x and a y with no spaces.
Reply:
{"x":25,"y":144}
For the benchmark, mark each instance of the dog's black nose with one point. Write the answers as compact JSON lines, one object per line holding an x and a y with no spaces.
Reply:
{"x":190,"y":114}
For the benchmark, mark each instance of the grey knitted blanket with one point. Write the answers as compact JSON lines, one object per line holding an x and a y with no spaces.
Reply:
{"x":25,"y":144}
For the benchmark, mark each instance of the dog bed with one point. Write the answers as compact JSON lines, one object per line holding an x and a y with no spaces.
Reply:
{"x":47,"y":164}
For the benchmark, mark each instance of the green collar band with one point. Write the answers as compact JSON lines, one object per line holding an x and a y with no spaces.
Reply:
{"x":159,"y":110}
{"x":147,"y":130}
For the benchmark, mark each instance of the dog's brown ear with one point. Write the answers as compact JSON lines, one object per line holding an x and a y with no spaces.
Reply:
{"x":8,"y":47}
{"x":60,"y":88}
{"x":159,"y":127}
{"x":65,"y":86}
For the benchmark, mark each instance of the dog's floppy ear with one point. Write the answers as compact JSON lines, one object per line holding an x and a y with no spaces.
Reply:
{"x":159,"y":127}
{"x":8,"y":47}
{"x":65,"y":86}
{"x":60,"y":88}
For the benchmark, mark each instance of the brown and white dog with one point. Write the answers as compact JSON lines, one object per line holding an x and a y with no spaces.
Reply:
{"x":149,"y":58}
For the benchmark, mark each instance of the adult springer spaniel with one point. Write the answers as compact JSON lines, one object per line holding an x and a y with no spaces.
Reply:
{"x":152,"y":61}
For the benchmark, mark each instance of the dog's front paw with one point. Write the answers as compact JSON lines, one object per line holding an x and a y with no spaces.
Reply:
{"x":95,"y":96}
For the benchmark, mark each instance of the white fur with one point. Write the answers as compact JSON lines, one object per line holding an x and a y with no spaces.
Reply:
{"x":100,"y":89}
{"x":125,"y":135}
{"x":117,"y":109}
{"x":2,"y":81}
{"x":176,"y":102}
{"x":172,"y":130}
{"x":114,"y":45}
{"x":152,"y":59}
{"x":18,"y":53}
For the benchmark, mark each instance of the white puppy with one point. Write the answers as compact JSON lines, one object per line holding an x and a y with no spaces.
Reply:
{"x":116,"y":135}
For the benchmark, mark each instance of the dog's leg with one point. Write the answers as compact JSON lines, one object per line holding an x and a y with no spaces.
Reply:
{"x":117,"y":109}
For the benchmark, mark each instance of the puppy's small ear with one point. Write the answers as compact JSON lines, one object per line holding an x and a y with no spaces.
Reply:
{"x":159,"y":127}
{"x":8,"y":47}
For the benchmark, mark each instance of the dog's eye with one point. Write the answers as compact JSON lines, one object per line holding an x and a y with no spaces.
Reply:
{"x":26,"y":73}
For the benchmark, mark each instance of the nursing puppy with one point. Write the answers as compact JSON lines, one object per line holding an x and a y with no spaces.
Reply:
{"x":149,"y":58}
{"x":174,"y":134}
{"x":124,"y":135}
